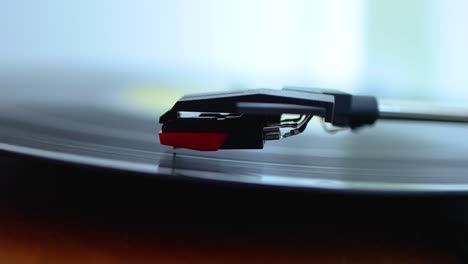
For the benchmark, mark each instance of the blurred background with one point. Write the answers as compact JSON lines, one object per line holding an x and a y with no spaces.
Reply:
{"x":395,"y":49}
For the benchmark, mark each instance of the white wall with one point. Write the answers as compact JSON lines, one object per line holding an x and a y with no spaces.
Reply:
{"x":453,"y":43}
{"x":258,"y":42}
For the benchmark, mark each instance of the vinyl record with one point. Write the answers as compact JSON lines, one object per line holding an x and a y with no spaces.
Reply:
{"x":116,"y":126}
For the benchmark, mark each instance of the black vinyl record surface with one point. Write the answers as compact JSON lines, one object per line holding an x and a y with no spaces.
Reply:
{"x":97,"y":122}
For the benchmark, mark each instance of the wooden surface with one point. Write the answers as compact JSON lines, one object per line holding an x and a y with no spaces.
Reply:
{"x":29,"y":240}
{"x":56,"y":214}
